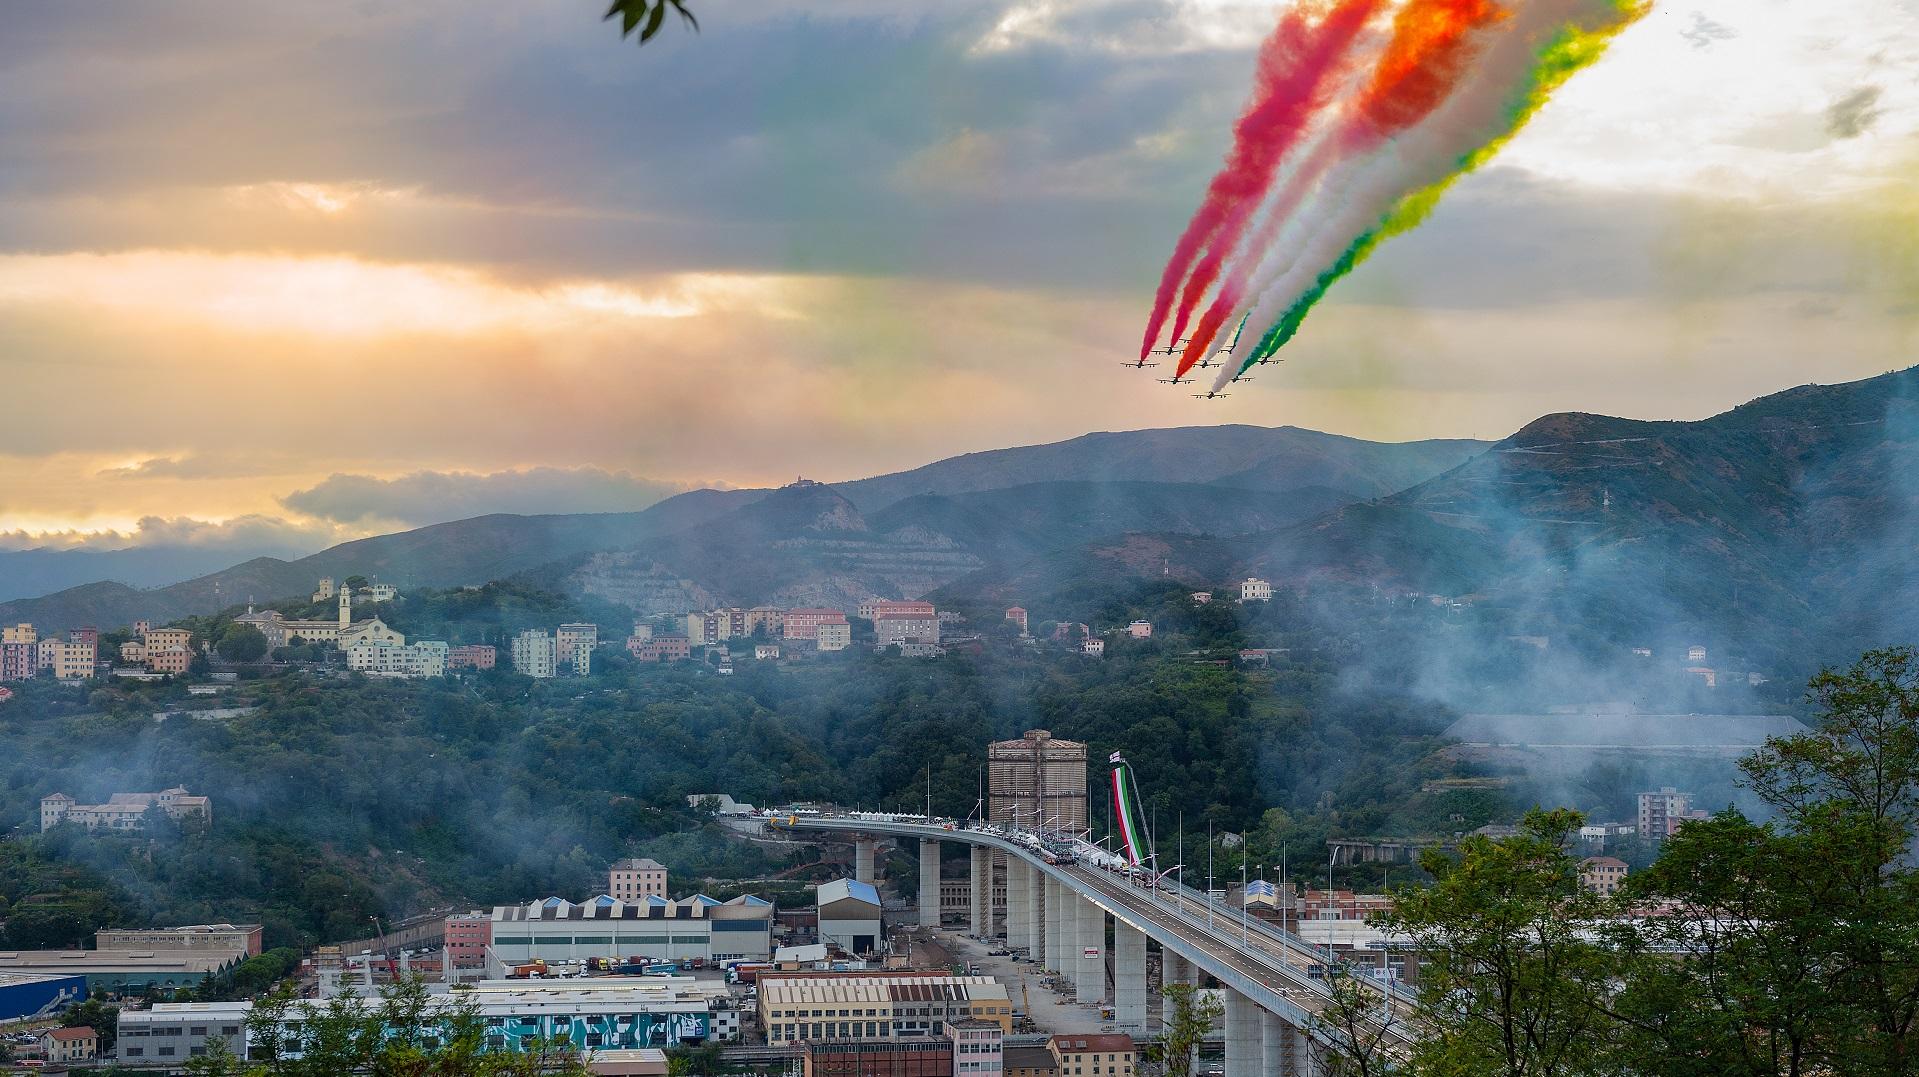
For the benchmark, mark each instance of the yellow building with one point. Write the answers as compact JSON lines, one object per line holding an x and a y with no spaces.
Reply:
{"x":66,"y":661}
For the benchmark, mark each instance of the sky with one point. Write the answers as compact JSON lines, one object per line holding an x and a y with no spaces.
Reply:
{"x":313,"y":271}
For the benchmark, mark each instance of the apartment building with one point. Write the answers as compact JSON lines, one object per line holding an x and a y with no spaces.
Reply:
{"x":805,"y":623}
{"x":1255,"y":589}
{"x":65,"y":660}
{"x":833,"y":636}
{"x":797,"y":1007}
{"x":472,"y":656}
{"x":664,"y":649}
{"x":422,"y":658}
{"x":535,"y":654}
{"x":1603,"y":875}
{"x":573,"y":645}
{"x":468,"y":934}
{"x":632,"y":880}
{"x":875,"y":608}
{"x":890,"y":629}
{"x":1103,"y":1055}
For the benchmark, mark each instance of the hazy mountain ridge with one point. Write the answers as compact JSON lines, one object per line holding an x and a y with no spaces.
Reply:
{"x":1254,"y":457}
{"x":908,"y":553}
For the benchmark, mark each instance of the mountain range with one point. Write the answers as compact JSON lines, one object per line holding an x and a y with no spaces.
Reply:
{"x":898,"y":534}
{"x":1777,"y":530}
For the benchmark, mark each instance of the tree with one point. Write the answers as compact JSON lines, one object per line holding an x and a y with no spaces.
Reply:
{"x":1192,"y":1017}
{"x":218,"y":1061}
{"x":242,"y":643}
{"x":1512,"y":985}
{"x":1851,"y":788}
{"x":103,"y":1019}
{"x":1352,"y":1028}
{"x":647,"y":16}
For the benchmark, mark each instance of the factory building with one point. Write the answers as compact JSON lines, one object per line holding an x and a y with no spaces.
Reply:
{"x":38,"y":994}
{"x":849,"y":912}
{"x":654,"y":927}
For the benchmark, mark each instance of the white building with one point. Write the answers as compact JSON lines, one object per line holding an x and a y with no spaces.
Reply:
{"x":378,"y":592}
{"x":175,"y":1032}
{"x":655,"y":928}
{"x":535,"y":653}
{"x":1255,"y":590}
{"x":834,"y":637}
{"x":891,"y":629}
{"x":1094,"y":647}
{"x":424,"y":658}
{"x":343,"y":631}
{"x":849,"y":915}
{"x":123,"y":811}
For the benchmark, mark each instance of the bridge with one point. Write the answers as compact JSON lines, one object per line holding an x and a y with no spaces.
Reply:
{"x":1059,"y":910}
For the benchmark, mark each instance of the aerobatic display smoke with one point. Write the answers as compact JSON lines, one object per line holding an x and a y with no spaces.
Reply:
{"x":1362,"y":115}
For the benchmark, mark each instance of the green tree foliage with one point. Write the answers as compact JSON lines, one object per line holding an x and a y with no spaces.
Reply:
{"x":103,"y":1019}
{"x":1785,"y":947}
{"x":1191,"y":1017}
{"x":1512,"y":984}
{"x":647,"y":16}
{"x":1352,"y":1033}
{"x":242,"y":643}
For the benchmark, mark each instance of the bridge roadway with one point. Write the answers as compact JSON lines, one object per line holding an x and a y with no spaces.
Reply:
{"x":1270,"y":967}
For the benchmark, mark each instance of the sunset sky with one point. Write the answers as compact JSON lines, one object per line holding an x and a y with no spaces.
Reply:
{"x":297,"y":272}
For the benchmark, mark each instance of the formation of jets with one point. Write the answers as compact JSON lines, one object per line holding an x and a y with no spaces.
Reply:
{"x":1210,"y":361}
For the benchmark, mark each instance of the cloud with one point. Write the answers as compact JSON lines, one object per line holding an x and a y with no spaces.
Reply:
{"x":252,"y":535}
{"x":425,"y":497}
{"x":1854,"y":114}
{"x":1703,"y":31}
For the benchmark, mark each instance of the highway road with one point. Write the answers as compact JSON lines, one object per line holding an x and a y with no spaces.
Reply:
{"x":1276,"y":969}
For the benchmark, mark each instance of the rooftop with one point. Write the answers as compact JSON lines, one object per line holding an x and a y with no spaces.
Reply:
{"x":1079,"y":1043}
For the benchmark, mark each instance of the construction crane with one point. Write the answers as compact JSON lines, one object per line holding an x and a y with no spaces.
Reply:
{"x":392,"y":971}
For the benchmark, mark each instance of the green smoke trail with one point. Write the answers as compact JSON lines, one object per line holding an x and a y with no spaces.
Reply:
{"x":1571,"y":50}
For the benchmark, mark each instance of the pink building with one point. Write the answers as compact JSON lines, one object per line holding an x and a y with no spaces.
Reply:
{"x":1017,"y":615}
{"x":635,"y":880}
{"x":805,"y":624}
{"x":472,"y":656}
{"x":1140,"y":629}
{"x":468,"y":935}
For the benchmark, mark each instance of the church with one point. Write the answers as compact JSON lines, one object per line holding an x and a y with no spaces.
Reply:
{"x":343,"y":632}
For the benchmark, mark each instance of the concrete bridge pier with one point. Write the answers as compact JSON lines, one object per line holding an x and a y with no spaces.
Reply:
{"x":1273,"y":1041}
{"x":1129,"y":978}
{"x":1244,"y":1049}
{"x":1056,"y":924}
{"x":980,"y":888}
{"x":863,"y":858}
{"x":929,"y":883}
{"x":1035,"y":888}
{"x":1016,"y":910}
{"x":1089,"y":954}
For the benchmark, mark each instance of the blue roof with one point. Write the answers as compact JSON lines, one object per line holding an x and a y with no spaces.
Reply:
{"x":854,"y":889}
{"x":604,"y":900}
{"x":703,"y":899}
{"x":1262,"y":887}
{"x":553,"y":902}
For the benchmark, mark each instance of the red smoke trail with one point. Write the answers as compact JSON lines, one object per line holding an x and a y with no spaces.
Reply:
{"x":1294,"y":63}
{"x":1433,"y":43}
